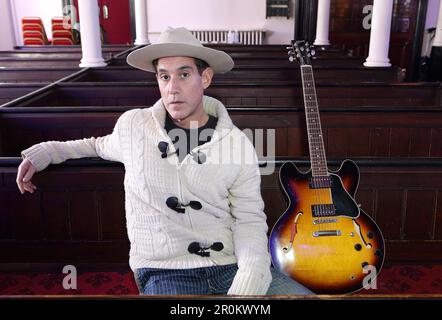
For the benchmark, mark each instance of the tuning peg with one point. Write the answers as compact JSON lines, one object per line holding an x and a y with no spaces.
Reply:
{"x":313,"y":52}
{"x":290,"y":52}
{"x":291,"y":59}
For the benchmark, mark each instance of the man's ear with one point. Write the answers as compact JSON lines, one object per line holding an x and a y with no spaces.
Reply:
{"x":207,"y":77}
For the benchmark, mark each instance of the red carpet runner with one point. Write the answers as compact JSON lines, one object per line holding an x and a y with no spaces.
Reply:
{"x":398,"y":279}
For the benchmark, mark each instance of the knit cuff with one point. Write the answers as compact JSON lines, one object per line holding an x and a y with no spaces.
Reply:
{"x":38,"y":156}
{"x":251,"y":282}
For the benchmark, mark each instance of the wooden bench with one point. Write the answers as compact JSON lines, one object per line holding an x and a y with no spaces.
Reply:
{"x":77,"y":212}
{"x":74,"y":48}
{"x":34,"y":75}
{"x":244,"y":93}
{"x":10,"y":91}
{"x":280,"y":60}
{"x":267,"y":73}
{"x":356,"y":132}
{"x":50,"y":59}
{"x":252,"y":73}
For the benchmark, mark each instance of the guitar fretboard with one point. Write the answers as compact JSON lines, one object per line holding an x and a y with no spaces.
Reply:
{"x":314,"y":130}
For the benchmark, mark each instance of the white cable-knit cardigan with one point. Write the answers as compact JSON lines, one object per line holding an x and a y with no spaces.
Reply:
{"x":227,"y":185}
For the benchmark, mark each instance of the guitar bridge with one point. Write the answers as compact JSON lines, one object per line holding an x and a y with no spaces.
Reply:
{"x":326,"y":233}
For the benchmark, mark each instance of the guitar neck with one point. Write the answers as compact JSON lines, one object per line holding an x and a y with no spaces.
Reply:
{"x":314,"y":130}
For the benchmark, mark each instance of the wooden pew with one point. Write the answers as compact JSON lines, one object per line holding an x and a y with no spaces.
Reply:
{"x":34,"y":75}
{"x":268,"y":73}
{"x":399,"y":159}
{"x":331,"y":51}
{"x":244,"y":93}
{"x":115,"y":48}
{"x":352,"y":132}
{"x":252,"y":73}
{"x":60,"y":58}
{"x":49,"y":55}
{"x":272,"y":60}
{"x":11,"y":91}
{"x":77,"y":212}
{"x":39,"y":63}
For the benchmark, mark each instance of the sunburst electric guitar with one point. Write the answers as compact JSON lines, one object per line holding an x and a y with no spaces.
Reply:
{"x":323,"y":240}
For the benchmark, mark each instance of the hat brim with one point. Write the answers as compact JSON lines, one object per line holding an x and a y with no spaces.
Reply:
{"x":142,"y":58}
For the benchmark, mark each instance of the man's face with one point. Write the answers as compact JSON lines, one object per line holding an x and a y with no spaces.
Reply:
{"x":182,"y":87}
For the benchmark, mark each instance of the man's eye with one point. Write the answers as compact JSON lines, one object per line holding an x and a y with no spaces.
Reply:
{"x":164,"y":77}
{"x":185,"y":75}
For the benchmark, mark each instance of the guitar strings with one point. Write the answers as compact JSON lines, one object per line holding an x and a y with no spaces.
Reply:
{"x":319,"y":140}
{"x":311,"y":128}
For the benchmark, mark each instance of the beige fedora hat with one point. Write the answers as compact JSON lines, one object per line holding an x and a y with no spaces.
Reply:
{"x":179,"y":42}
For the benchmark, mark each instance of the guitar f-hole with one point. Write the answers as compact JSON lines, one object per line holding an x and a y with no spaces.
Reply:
{"x":293,"y":231}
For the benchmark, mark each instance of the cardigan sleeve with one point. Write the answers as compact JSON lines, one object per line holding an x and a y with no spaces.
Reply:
{"x":107,"y":147}
{"x":249,"y":230}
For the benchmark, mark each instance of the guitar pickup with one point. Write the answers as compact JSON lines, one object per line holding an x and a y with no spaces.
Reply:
{"x":320,"y":182}
{"x":320,"y":210}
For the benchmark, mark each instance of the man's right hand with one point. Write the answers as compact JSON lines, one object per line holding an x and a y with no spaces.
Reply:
{"x":25,"y":172}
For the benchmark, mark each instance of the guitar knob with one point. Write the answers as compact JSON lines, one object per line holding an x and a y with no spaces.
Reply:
{"x":358,"y":247}
{"x":364,"y":264}
{"x":378,"y":253}
{"x":370,"y":234}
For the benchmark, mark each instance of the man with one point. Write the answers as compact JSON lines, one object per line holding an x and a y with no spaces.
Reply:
{"x":194,"y":210}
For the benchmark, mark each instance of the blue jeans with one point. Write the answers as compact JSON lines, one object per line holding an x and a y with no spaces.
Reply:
{"x":205,"y":281}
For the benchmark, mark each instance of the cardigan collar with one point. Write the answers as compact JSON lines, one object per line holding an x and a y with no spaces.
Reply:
{"x":211,"y":105}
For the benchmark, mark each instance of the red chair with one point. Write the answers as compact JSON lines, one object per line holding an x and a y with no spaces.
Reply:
{"x":36,"y":20}
{"x":62,"y":42}
{"x":61,"y":31}
{"x":59,"y":26}
{"x":33,"y":42}
{"x":33,"y":31}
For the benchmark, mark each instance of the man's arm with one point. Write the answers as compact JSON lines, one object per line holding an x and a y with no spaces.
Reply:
{"x":39,"y":156}
{"x":250,"y":232}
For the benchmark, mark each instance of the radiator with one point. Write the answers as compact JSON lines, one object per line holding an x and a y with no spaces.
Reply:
{"x":250,"y":37}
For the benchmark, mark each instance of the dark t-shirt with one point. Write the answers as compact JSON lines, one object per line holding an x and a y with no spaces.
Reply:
{"x":192,"y":137}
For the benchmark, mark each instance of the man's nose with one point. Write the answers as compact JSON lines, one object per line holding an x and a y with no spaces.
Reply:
{"x":174,"y":86}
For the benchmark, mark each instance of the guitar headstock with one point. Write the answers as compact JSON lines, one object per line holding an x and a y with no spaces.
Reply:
{"x":302,"y":51}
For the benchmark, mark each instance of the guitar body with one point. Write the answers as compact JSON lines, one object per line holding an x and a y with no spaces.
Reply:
{"x":324,"y":240}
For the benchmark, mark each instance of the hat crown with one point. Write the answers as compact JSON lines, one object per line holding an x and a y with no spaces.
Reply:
{"x":179,"y":35}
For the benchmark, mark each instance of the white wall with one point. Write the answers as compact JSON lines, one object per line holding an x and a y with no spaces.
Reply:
{"x":430,"y":22}
{"x":432,"y":12}
{"x":45,"y":9}
{"x":217,"y":15}
{"x":7,"y":39}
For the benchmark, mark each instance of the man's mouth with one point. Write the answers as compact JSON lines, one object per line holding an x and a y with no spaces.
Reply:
{"x":176,"y":102}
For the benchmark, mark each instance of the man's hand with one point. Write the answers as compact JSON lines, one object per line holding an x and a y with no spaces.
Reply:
{"x":25,"y":172}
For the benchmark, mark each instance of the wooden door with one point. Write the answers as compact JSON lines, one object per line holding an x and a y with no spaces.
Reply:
{"x":114,"y":21}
